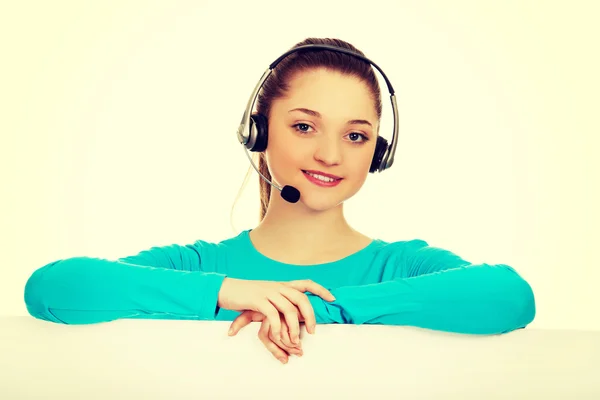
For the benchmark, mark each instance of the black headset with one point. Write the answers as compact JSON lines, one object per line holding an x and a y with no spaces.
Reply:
{"x":257,"y":138}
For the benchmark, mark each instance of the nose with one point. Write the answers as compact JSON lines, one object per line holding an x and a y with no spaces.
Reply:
{"x":329,"y":150}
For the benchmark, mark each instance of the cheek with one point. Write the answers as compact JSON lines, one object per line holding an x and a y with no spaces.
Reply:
{"x":367,"y":159}
{"x":283,"y":160}
{"x":362,"y":163}
{"x":285,"y":151}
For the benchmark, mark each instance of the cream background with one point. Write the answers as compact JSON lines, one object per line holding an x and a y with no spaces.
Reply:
{"x":118,"y":124}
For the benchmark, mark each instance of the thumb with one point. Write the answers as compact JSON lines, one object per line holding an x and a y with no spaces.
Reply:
{"x":239,"y":322}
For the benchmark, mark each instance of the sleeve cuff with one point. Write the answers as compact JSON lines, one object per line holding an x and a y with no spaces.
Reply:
{"x":208,"y":290}
{"x":326,"y":312}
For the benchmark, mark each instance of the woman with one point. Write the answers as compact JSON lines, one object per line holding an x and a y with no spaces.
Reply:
{"x":322,"y":110}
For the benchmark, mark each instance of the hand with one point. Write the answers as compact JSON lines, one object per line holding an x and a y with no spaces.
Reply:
{"x":281,"y":347}
{"x":271,"y":298}
{"x":254,"y":316}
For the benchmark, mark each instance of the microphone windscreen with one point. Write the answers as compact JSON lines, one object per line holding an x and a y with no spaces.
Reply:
{"x":290,"y":194}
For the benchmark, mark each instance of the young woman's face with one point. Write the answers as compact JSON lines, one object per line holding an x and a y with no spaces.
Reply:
{"x":328,"y":123}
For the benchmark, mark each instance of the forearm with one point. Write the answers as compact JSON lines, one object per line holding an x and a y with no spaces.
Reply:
{"x":85,"y":290}
{"x":478,"y":299}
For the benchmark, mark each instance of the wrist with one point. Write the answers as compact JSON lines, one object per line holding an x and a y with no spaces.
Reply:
{"x":326,"y":312}
{"x":223,"y":290}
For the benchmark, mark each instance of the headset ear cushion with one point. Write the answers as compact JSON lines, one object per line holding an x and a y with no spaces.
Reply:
{"x":380,"y":149}
{"x":259,"y":127}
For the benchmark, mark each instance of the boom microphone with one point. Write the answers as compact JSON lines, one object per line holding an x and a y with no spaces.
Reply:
{"x":288,"y":193}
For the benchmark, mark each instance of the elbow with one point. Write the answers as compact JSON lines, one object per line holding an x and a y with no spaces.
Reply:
{"x":36,"y":294}
{"x":521,"y":308}
{"x":526,"y":310}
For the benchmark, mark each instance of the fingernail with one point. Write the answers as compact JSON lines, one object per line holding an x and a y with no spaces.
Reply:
{"x":283,"y":360}
{"x":230,"y":331}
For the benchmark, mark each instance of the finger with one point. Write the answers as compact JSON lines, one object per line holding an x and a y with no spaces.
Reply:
{"x":289,"y":311}
{"x":286,"y":339}
{"x":300,"y":300}
{"x":280,"y":342}
{"x":313,"y":287}
{"x":271,"y":314}
{"x":257,"y":316}
{"x":239,"y":322}
{"x":244,"y":319}
{"x":263,"y":335}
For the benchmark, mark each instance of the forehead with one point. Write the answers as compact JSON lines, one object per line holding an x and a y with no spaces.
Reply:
{"x":330,"y":92}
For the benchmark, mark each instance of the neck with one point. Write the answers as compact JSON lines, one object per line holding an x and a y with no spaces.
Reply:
{"x":294,"y":225}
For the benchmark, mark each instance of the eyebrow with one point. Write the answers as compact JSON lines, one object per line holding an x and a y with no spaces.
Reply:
{"x":318,"y":115}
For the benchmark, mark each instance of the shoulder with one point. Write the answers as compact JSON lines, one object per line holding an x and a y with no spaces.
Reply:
{"x":218,"y":244}
{"x":416,"y":257}
{"x":215,"y":252}
{"x":396,"y":251}
{"x":191,"y":256}
{"x":421,"y":249}
{"x":418,"y":249}
{"x":396,"y":247}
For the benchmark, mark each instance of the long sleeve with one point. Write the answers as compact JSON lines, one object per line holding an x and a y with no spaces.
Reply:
{"x":435,"y":289}
{"x":160,"y":283}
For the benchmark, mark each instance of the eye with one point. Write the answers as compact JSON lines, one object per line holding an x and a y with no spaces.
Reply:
{"x":301,"y":127}
{"x":356,"y":135}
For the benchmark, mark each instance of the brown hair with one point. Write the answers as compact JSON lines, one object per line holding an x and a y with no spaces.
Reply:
{"x":277,"y":84}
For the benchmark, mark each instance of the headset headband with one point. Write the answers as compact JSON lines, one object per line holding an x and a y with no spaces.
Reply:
{"x":388,"y":158}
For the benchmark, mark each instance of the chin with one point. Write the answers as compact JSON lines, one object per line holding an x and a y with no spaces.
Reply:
{"x":321,"y":206}
{"x":316,"y":200}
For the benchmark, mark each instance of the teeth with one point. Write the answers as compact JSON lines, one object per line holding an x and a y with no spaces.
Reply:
{"x":321,"y":177}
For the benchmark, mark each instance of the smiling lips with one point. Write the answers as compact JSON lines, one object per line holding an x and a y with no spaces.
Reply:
{"x":321,"y":178}
{"x":321,"y":173}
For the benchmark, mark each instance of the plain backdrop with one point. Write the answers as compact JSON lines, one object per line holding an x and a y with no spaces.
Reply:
{"x":118,"y":120}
